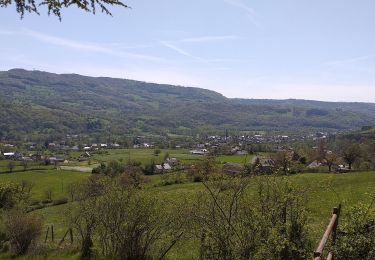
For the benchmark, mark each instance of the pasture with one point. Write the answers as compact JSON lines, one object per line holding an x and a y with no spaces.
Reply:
{"x":323,"y":191}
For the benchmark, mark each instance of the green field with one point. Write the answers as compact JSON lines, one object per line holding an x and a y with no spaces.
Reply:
{"x":147,"y":155}
{"x":56,"y":180}
{"x":324,"y":191}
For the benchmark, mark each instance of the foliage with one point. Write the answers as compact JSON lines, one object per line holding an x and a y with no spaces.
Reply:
{"x":21,"y":229}
{"x":230,"y":225}
{"x":12,"y":194}
{"x":350,"y":153}
{"x":356,"y":233}
{"x":126,"y":222}
{"x":42,"y":106}
{"x":55,"y":6}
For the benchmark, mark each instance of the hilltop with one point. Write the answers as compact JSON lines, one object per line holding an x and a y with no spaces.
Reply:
{"x":46,"y":104}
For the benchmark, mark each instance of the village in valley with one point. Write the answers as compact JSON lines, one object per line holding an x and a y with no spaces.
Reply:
{"x":264,"y":152}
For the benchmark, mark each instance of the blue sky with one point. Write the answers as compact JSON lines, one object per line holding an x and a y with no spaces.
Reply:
{"x":317,"y":49}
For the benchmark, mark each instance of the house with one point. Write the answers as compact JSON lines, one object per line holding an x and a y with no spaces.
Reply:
{"x":87,"y":148}
{"x":342,"y":169}
{"x":171,"y":161}
{"x":263,"y":165}
{"x":103,"y":145}
{"x":56,"y":159}
{"x":84,"y":157}
{"x":232,"y":168}
{"x":314,"y":164}
{"x":199,"y":152}
{"x":242,"y":152}
{"x":9,"y":155}
{"x":166,"y":167}
{"x":158,"y":168}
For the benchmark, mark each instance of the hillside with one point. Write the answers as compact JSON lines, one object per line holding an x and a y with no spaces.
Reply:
{"x":45,"y":104}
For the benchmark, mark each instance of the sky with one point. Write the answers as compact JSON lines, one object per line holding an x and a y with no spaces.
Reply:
{"x":273,"y":49}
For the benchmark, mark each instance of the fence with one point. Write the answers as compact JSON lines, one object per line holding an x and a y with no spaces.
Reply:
{"x":50,"y":230}
{"x":331,"y":229}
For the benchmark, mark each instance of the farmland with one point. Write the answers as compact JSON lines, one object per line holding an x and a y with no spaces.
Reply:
{"x":324,"y":191}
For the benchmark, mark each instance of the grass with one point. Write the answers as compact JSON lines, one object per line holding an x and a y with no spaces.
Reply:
{"x":56,"y":180}
{"x":324,"y":191}
{"x":145,"y":156}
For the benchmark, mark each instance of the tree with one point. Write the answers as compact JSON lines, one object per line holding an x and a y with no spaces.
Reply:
{"x":24,"y":165}
{"x":350,"y":153}
{"x":11,"y":166}
{"x":21,"y":229}
{"x":55,"y":6}
{"x":283,"y":160}
{"x":331,"y":158}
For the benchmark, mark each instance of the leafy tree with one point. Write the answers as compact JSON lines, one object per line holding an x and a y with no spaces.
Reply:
{"x":283,"y":160}
{"x":350,"y":153}
{"x":331,"y":159}
{"x":12,"y":194}
{"x":55,"y":6}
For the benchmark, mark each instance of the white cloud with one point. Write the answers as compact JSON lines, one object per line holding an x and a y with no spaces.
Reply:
{"x":250,"y":12}
{"x":84,"y":46}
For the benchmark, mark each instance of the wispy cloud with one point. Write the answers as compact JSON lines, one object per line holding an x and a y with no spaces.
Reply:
{"x":209,"y":39}
{"x":350,"y":61}
{"x":84,"y":46}
{"x":185,"y":53}
{"x":178,"y":50}
{"x":250,"y":12}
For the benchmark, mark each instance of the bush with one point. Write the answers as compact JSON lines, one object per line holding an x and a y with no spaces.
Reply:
{"x":356,"y":234}
{"x":21,"y":229}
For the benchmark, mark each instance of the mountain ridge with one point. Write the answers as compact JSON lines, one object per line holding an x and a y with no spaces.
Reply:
{"x":39,"y":104}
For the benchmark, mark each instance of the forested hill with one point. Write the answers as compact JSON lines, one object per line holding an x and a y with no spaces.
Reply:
{"x":36,"y":104}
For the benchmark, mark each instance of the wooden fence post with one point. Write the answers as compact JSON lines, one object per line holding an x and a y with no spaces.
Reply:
{"x":45,"y":240}
{"x":52,"y":233}
{"x":331,"y":229}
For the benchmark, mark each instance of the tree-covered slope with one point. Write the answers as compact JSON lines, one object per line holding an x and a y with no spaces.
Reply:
{"x":36,"y":104}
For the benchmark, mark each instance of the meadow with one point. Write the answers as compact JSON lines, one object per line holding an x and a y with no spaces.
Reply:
{"x":324,"y":191}
{"x":146,"y":156}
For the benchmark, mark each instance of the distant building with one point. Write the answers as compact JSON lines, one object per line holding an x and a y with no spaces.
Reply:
{"x":199,"y":152}
{"x":314,"y":164}
{"x":171,"y":161}
{"x":263,"y":165}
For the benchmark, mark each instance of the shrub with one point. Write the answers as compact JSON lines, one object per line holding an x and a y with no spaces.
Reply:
{"x":356,"y":234}
{"x":21,"y":229}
